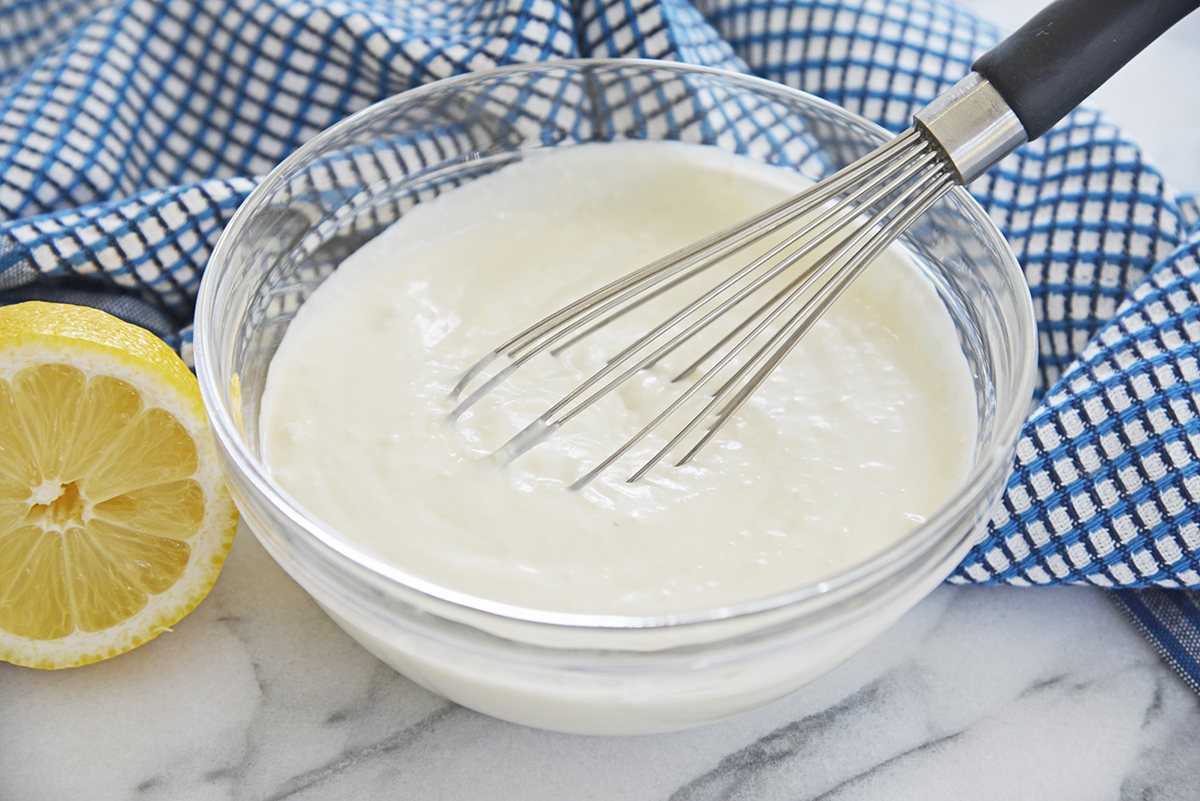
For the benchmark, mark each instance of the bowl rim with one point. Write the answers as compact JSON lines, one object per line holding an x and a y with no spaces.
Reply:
{"x":227,"y":431}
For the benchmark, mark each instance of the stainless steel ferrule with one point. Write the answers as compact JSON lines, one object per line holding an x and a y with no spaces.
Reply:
{"x":973,"y":125}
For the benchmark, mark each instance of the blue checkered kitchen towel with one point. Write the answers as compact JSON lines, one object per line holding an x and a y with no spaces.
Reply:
{"x":130,"y":130}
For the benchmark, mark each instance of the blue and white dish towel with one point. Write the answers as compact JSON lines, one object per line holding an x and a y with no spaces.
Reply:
{"x":130,"y":130}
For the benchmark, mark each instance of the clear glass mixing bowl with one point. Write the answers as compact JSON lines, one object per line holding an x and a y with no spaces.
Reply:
{"x":566,"y":671}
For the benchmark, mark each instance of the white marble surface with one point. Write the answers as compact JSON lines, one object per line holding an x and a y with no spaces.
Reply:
{"x":979,"y":693}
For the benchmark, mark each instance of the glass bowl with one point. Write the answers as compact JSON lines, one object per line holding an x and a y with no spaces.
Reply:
{"x":601,"y":674}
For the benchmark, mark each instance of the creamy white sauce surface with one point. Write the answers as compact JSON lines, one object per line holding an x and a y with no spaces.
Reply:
{"x":861,"y":434}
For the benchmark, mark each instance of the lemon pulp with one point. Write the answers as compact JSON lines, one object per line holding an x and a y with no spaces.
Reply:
{"x":114,"y":519}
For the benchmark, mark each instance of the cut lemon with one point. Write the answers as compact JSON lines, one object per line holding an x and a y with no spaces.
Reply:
{"x":114,"y":518}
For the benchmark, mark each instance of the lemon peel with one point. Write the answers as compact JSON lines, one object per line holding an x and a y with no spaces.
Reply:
{"x":114,"y":517}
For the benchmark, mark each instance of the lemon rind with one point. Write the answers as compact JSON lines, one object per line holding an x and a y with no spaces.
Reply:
{"x":41,"y":333}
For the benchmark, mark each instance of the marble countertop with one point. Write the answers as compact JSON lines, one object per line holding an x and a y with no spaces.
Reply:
{"x":978,"y":693}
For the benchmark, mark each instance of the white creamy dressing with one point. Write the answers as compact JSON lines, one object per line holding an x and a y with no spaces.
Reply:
{"x":862,"y":433}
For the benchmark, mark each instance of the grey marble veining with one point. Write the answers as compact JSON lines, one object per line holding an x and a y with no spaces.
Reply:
{"x":979,"y":693}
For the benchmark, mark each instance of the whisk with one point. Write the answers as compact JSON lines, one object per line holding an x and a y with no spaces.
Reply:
{"x":1014,"y":94}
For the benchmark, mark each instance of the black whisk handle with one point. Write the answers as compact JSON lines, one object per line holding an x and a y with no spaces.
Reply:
{"x":1062,"y":55}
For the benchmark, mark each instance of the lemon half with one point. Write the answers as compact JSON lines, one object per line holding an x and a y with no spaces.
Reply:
{"x":114,"y":517}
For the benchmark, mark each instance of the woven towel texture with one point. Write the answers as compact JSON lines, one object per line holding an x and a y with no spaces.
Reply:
{"x":131,"y":130}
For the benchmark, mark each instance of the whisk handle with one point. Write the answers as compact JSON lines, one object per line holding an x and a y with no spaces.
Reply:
{"x":1062,"y":55}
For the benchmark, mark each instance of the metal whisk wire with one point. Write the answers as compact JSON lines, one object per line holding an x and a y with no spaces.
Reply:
{"x":904,"y":178}
{"x":1015,"y":93}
